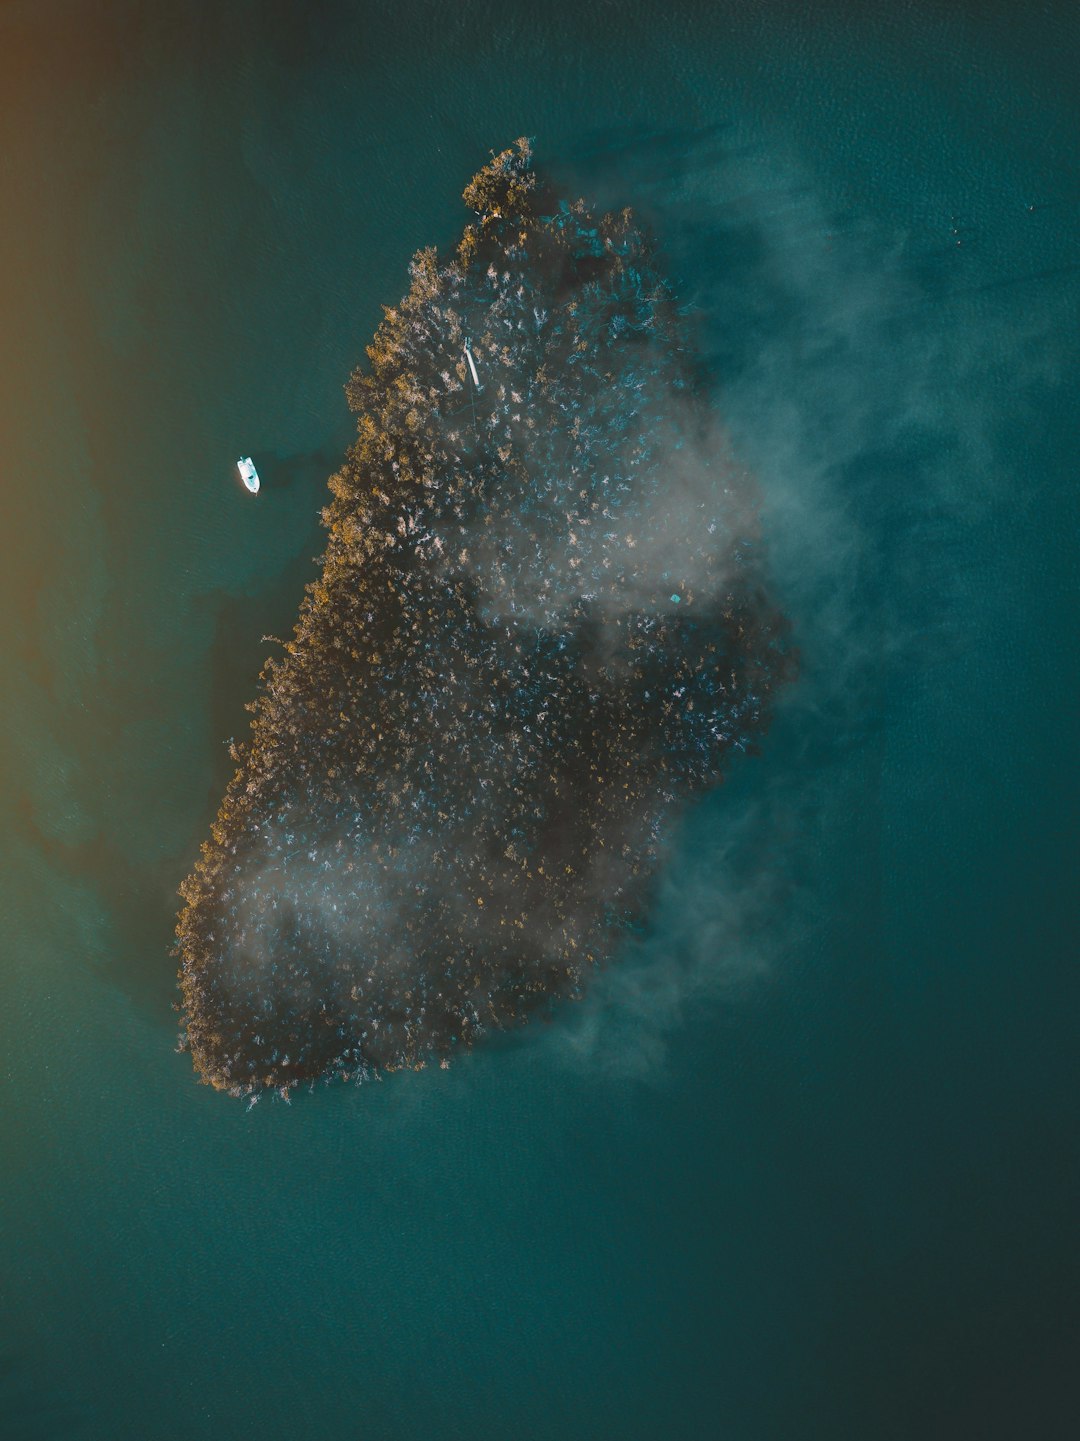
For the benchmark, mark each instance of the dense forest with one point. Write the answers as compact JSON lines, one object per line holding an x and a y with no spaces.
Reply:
{"x":540,"y":625}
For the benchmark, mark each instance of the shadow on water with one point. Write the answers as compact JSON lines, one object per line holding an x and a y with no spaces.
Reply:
{"x":140,"y":895}
{"x":140,"y":900}
{"x":239,"y":651}
{"x":312,"y":468}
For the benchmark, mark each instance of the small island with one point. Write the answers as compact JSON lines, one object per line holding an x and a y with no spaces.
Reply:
{"x":539,"y":628}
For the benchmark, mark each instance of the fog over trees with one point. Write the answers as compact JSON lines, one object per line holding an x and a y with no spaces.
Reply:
{"x":539,"y":627}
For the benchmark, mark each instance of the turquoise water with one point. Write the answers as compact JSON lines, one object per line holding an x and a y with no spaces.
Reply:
{"x":805,"y":1164}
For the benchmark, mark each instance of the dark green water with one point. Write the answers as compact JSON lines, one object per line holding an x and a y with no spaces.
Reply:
{"x":806,"y":1164}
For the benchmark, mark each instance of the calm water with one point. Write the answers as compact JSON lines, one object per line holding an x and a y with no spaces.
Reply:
{"x":805,"y":1165}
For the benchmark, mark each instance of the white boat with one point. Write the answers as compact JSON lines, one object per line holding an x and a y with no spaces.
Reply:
{"x":248,"y":474}
{"x":472,"y":366}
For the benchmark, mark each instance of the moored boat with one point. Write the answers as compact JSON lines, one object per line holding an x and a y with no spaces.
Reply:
{"x":248,"y":474}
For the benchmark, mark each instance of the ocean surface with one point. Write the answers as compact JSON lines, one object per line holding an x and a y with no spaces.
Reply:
{"x":805,"y":1164}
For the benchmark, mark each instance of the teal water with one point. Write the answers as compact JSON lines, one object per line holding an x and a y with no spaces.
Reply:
{"x":805,"y":1164}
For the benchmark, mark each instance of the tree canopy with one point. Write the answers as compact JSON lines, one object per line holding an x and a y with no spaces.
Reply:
{"x":540,"y":625}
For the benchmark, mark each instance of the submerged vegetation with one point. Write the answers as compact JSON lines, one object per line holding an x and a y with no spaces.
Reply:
{"x":539,"y":626}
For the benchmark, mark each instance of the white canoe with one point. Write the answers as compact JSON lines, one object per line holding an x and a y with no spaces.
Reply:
{"x":248,"y":474}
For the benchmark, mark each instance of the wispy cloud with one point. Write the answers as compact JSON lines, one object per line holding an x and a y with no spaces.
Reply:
{"x":857,"y":375}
